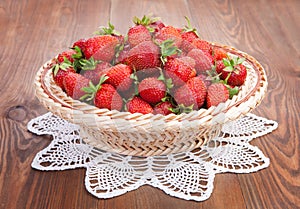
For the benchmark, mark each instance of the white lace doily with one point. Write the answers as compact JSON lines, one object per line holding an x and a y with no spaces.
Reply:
{"x":188,"y":175}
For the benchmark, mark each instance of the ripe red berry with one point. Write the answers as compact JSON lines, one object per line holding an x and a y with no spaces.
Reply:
{"x":108,"y":97}
{"x":193,"y":93}
{"x":144,"y":55}
{"x":163,"y":108}
{"x":203,"y":61}
{"x":101,"y":47}
{"x":138,"y":105}
{"x":178,"y":71}
{"x":73,"y":84}
{"x":152,"y":90}
{"x":216,"y":94}
{"x":138,"y":34}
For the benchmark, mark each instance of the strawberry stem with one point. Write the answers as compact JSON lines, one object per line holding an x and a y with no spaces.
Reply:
{"x":168,"y":48}
{"x":89,"y":64}
{"x":189,"y":27}
{"x":91,"y":90}
{"x":110,"y":30}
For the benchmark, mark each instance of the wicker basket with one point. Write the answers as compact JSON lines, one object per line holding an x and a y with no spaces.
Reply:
{"x":148,"y":135}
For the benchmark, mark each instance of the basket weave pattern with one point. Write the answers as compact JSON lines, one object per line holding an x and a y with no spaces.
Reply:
{"x":148,"y":135}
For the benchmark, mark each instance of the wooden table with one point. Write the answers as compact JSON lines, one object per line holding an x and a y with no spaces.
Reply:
{"x":34,"y":31}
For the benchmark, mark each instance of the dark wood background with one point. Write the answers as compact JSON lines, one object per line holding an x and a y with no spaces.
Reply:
{"x":34,"y":31}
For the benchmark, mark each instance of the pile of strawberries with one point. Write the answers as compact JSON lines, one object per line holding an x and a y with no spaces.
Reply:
{"x":154,"y":68}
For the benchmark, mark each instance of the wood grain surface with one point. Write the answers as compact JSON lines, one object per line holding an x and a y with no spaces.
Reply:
{"x":33,"y":31}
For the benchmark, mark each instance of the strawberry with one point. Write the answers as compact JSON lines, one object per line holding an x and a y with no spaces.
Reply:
{"x":103,"y":95}
{"x":153,"y":24}
{"x":234,"y":72}
{"x":216,"y":94}
{"x":157,"y":26}
{"x":80,"y":43}
{"x":60,"y":70}
{"x":163,"y":108}
{"x":137,"y":35}
{"x":188,"y":35}
{"x":203,"y":62}
{"x":178,"y":71}
{"x":101,"y":47}
{"x":73,"y":84}
{"x":60,"y":74}
{"x":94,"y":73}
{"x":219,"y":54}
{"x":188,"y":61}
{"x":152,"y":90}
{"x":66,"y":54}
{"x":119,"y":76}
{"x":138,"y":105}
{"x":144,"y":55}
{"x":108,"y":97}
{"x":219,"y":66}
{"x":169,"y":32}
{"x":202,"y":44}
{"x":192,"y":94}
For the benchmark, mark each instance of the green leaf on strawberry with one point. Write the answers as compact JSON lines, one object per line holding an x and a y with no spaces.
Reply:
{"x":88,"y":64}
{"x":189,"y":27}
{"x":182,"y":109}
{"x":110,"y":30}
{"x":78,"y":54}
{"x":167,"y":49}
{"x":146,"y":21}
{"x":92,"y":89}
{"x":232,"y":90}
{"x":62,"y":66}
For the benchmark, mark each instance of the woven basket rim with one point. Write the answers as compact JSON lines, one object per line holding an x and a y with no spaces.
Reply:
{"x":48,"y":97}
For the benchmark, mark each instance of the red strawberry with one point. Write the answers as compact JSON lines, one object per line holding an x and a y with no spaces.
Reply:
{"x":219,"y":66}
{"x":219,"y":53}
{"x":152,"y":90}
{"x":234,"y":73}
{"x":203,"y":62}
{"x":169,"y":32}
{"x":145,"y":55}
{"x":80,"y":43}
{"x":137,"y":35}
{"x":188,"y":35}
{"x":101,"y":47}
{"x":60,"y":74}
{"x":163,"y":108}
{"x":66,"y":54}
{"x":73,"y":84}
{"x":187,"y":40}
{"x":178,"y":71}
{"x":138,"y":105}
{"x":210,"y":57}
{"x":95,"y":74}
{"x":188,"y":61}
{"x":216,"y":94}
{"x":108,"y":97}
{"x":157,"y":26}
{"x":119,"y":76}
{"x":193,"y":93}
{"x":202,"y":44}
